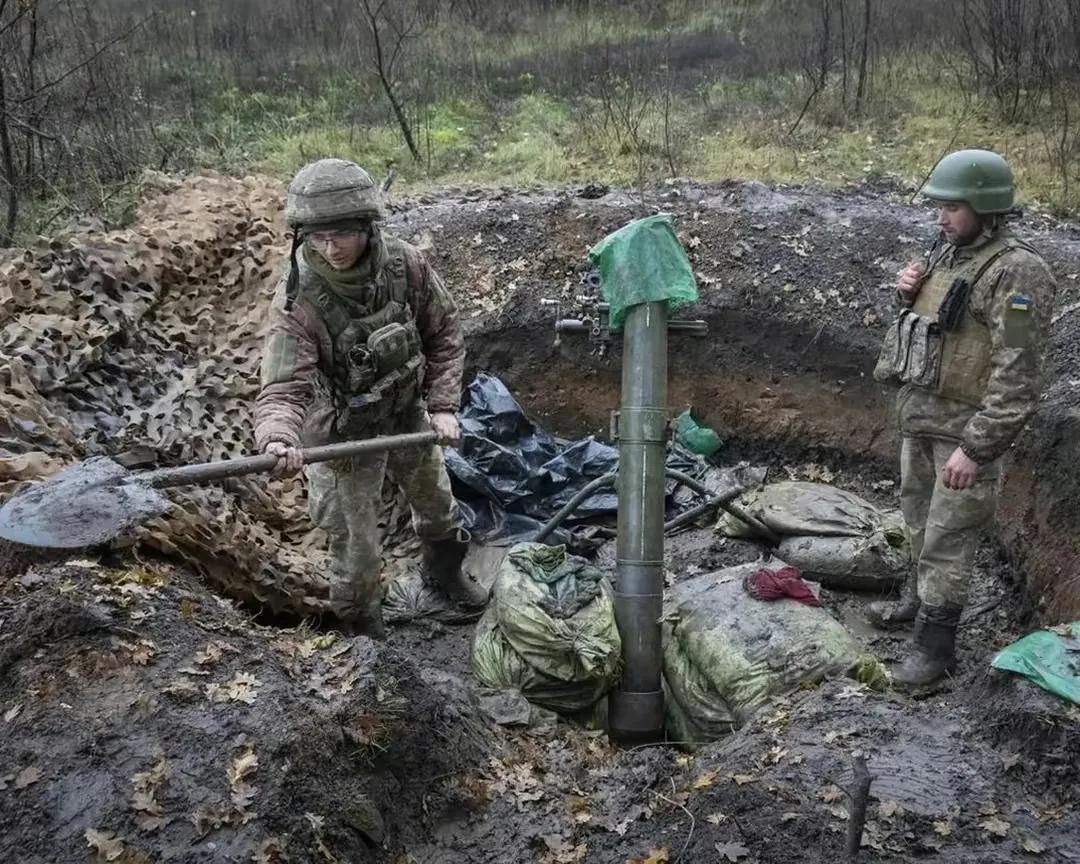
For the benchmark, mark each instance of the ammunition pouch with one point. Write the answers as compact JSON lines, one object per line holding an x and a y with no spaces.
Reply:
{"x":385,"y":376}
{"x":911,"y":352}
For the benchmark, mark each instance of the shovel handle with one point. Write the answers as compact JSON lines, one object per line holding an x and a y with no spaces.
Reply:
{"x":209,"y":471}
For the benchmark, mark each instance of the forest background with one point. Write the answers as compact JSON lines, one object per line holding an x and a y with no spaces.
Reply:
{"x":523,"y":92}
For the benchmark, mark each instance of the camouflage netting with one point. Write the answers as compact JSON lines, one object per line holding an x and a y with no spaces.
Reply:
{"x":151,"y":336}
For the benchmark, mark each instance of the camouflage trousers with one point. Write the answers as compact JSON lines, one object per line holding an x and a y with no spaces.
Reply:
{"x":345,"y":500}
{"x":943,"y":524}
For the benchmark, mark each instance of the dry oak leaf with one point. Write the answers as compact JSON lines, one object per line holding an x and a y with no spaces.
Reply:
{"x":943,"y":828}
{"x":1033,"y":846}
{"x":994,"y":825}
{"x":731,"y":851}
{"x":657,"y":856}
{"x":706,"y":780}
{"x":243,"y":766}
{"x":105,"y":843}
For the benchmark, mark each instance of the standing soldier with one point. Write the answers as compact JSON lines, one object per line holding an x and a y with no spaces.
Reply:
{"x":968,"y":350}
{"x":360,"y":331}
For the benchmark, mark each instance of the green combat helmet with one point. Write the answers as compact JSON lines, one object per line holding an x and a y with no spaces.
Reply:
{"x":325,"y":193}
{"x":331,"y":190}
{"x":980,"y":178}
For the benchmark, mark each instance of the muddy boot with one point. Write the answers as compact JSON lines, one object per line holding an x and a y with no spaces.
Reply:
{"x":932,"y":655}
{"x":888,"y":614}
{"x":358,"y":616}
{"x":441,"y":569}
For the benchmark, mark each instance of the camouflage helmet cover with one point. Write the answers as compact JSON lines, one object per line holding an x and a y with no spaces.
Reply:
{"x":331,"y":190}
{"x":981,"y":178}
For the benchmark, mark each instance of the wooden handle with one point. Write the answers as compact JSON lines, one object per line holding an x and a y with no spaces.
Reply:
{"x":206,"y":472}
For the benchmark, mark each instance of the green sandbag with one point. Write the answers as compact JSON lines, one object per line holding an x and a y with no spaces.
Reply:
{"x":832,"y":535}
{"x":643,"y":262}
{"x":695,"y":436}
{"x":726,"y":653}
{"x":1048,"y":659}
{"x":497,"y":665}
{"x":550,"y":630}
{"x":582,"y":647}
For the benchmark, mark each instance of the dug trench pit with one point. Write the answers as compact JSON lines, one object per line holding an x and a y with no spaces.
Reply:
{"x":368,"y":753}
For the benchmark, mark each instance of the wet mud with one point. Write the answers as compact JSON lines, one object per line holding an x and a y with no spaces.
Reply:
{"x":148,"y":717}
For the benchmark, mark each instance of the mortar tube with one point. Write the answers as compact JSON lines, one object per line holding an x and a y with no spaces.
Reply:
{"x":636,"y":707}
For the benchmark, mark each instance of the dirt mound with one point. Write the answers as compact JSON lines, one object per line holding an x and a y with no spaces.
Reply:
{"x":146,"y":715}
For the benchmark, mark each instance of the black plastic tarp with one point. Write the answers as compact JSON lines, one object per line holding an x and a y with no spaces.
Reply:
{"x":510,"y":476}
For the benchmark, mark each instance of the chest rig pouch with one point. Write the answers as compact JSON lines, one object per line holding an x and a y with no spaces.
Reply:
{"x":911,"y":352}
{"x":377,"y":368}
{"x":938,"y":343}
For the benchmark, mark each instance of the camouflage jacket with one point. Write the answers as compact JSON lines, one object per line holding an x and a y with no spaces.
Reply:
{"x":1014,"y":301}
{"x":290,"y":409}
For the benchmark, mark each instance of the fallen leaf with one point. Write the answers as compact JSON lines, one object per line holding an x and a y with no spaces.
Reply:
{"x":105,"y":843}
{"x":889,"y":809}
{"x":731,"y":851}
{"x":787,"y":817}
{"x":243,"y":766}
{"x":270,"y":851}
{"x":149,"y":823}
{"x":183,"y":688}
{"x":12,"y":713}
{"x":943,"y":828}
{"x":1030,"y":844}
{"x":187,"y":608}
{"x":776,"y":754}
{"x":144,"y":800}
{"x":27,"y":777}
{"x":830,"y":793}
{"x":1009,"y":760}
{"x":657,"y":856}
{"x":716,"y":818}
{"x":1065,"y":630}
{"x":743,"y":779}
{"x":209,"y":655}
{"x":706,"y":780}
{"x":242,"y":795}
{"x":996,"y":826}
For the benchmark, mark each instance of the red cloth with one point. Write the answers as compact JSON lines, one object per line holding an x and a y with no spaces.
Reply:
{"x":767,"y":584}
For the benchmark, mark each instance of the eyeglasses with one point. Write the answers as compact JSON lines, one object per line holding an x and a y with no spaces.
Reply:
{"x":336,"y":238}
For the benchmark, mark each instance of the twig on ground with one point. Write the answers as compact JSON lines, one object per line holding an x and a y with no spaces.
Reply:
{"x":860,"y":795}
{"x":693,"y":821}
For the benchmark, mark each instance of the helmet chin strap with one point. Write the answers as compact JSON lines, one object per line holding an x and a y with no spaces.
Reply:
{"x":292,"y":286}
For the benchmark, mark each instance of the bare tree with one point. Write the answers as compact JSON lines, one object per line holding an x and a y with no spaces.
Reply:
{"x":860,"y":89}
{"x":392,"y":26}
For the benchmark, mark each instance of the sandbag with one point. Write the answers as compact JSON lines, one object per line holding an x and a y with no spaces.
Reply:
{"x":550,"y":630}
{"x":725,"y":653}
{"x":497,"y":665}
{"x":831,"y":535}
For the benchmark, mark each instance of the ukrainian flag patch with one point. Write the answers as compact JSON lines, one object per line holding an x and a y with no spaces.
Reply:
{"x":1020,"y":303}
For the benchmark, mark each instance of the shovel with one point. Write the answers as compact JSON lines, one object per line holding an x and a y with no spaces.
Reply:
{"x":99,"y":499}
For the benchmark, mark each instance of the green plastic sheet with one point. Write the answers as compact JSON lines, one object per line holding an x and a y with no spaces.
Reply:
{"x":1048,"y":659}
{"x":695,"y":436}
{"x":643,"y":262}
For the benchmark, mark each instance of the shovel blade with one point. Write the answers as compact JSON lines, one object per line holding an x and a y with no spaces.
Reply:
{"x":87,"y":504}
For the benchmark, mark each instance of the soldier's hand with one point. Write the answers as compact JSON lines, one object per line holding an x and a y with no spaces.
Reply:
{"x":910,"y":281}
{"x":446,"y":428}
{"x":290,"y":459}
{"x":960,"y":471}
